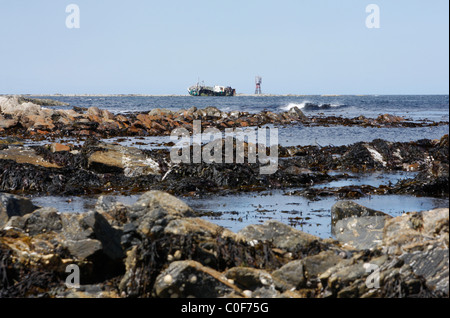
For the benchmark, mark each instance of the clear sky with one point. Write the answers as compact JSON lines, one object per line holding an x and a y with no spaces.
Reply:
{"x":162,"y":47}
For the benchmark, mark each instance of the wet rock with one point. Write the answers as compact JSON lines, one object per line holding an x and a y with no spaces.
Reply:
{"x":364,"y":232}
{"x":346,"y":209}
{"x":191,"y":279}
{"x":282,"y":236}
{"x":297,"y":114}
{"x":160,"y":249}
{"x":433,"y":182}
{"x":387,"y":118}
{"x":12,"y":205}
{"x":359,"y":156}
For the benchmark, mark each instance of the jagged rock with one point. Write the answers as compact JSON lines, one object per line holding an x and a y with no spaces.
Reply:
{"x":115,"y":212}
{"x":12,"y":205}
{"x":298,"y":114}
{"x":191,"y":279}
{"x":92,"y":225}
{"x":432,"y":265}
{"x":154,"y":209}
{"x":292,"y":274}
{"x":417,"y":231}
{"x":12,"y":105}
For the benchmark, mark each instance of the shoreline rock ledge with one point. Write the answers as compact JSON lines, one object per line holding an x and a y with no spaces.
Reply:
{"x":159,"y":247}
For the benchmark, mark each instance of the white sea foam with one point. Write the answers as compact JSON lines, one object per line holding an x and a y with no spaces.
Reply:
{"x":292,"y":105}
{"x":309,"y":105}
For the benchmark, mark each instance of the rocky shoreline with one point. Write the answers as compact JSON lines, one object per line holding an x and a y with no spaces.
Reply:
{"x":157,"y":247}
{"x":160,"y":247}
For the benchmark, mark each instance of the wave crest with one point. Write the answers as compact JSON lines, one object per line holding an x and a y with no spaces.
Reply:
{"x":311,"y":106}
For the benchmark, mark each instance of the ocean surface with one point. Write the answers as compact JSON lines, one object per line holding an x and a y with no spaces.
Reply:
{"x":249,"y":208}
{"x":432,"y":107}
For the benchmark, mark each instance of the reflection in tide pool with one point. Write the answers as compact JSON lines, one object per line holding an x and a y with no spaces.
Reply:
{"x":313,"y":217}
{"x":237,"y":211}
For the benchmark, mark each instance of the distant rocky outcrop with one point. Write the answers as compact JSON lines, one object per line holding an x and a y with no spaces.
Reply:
{"x":25,"y":116}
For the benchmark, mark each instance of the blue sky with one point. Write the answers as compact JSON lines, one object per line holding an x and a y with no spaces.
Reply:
{"x":162,"y":47}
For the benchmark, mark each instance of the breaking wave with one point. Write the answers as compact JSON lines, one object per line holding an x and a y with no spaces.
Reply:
{"x":311,"y":106}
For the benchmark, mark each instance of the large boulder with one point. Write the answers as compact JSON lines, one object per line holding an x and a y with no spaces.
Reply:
{"x":155,"y":209}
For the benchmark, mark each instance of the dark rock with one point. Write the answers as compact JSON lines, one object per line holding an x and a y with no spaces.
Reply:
{"x":292,"y":274}
{"x":42,"y":220}
{"x":298,"y":114}
{"x":13,"y":205}
{"x":432,"y":265}
{"x":85,"y":249}
{"x":346,"y":209}
{"x":247,"y":278}
{"x":92,"y":225}
{"x":191,"y":279}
